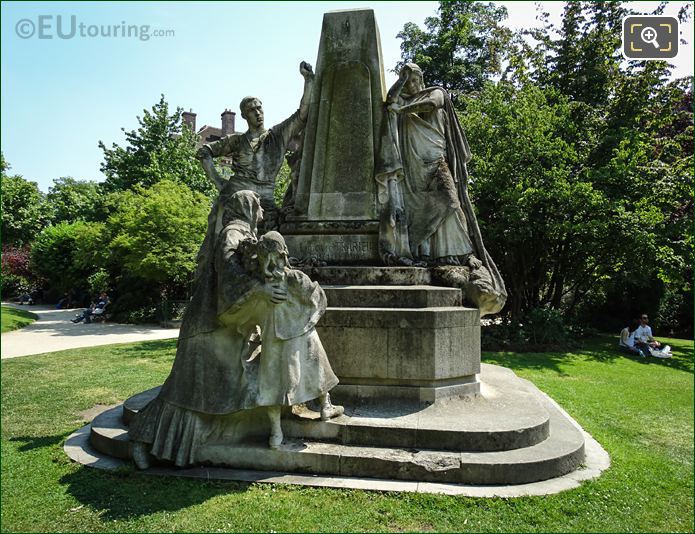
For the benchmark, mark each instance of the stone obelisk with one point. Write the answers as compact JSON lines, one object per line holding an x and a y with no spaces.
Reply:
{"x":335,"y":215}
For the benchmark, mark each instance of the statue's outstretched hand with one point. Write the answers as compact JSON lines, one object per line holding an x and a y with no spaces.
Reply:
{"x":203,"y":152}
{"x":306,"y":69}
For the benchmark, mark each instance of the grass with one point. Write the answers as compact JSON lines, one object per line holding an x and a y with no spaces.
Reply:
{"x":14,"y":319}
{"x":641,"y":413}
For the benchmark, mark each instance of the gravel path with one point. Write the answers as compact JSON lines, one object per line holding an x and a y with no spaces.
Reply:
{"x":53,"y":331}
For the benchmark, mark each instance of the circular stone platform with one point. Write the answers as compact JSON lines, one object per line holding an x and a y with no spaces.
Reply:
{"x":512,"y":439}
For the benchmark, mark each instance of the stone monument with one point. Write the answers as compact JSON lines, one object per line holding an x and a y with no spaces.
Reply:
{"x":335,"y":215}
{"x":378,"y":214}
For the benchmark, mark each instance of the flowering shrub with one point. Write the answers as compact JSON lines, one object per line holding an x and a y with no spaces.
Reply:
{"x":15,"y":260}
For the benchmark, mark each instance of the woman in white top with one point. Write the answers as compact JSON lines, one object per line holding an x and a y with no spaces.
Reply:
{"x":627,"y":340}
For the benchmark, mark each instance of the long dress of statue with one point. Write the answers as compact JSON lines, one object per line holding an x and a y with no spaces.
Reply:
{"x":217,"y":370}
{"x":423,"y":179}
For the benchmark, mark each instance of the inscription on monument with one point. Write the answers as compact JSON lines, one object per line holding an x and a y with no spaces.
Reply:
{"x":331,"y":247}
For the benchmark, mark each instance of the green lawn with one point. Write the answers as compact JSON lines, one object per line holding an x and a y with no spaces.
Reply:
{"x":641,"y":413}
{"x":13,"y":319}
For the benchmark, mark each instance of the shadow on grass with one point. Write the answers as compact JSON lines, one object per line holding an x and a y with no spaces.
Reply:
{"x":602,"y":349}
{"x":39,"y":442}
{"x":126,"y":494}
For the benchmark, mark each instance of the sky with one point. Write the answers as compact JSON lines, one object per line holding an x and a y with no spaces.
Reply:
{"x":60,"y":96}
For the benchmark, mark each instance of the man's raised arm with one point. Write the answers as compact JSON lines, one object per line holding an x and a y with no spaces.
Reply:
{"x":307,"y":71}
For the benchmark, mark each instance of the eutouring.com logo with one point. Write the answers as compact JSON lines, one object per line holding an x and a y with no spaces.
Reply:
{"x":68,"y":27}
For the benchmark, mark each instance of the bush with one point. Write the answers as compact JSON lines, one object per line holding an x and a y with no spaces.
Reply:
{"x":134,"y":301}
{"x":542,"y":329}
{"x":99,"y":282}
{"x":16,"y":272}
{"x":67,"y":254}
{"x":12,"y":285}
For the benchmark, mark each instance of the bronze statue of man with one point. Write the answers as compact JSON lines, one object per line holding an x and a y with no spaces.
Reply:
{"x":258,"y":153}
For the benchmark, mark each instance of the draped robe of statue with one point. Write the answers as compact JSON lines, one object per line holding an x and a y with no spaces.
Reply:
{"x":212,"y":376}
{"x":428,"y":153}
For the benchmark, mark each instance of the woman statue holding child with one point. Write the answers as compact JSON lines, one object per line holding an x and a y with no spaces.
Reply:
{"x":248,"y":344}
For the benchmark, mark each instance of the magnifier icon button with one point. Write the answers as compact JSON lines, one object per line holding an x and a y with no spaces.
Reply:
{"x":648,"y":35}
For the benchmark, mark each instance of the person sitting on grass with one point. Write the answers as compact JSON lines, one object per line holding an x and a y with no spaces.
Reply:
{"x":627,"y":339}
{"x":97,"y":308}
{"x":644,"y":340}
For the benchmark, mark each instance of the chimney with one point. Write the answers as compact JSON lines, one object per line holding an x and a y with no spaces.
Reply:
{"x":228,"y":122}
{"x":188,"y":117}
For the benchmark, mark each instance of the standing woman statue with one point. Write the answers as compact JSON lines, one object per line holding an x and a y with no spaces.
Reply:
{"x":441,"y":224}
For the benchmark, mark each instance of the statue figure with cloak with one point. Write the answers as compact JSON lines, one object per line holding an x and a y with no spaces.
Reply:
{"x":247,"y":340}
{"x":428,"y":218}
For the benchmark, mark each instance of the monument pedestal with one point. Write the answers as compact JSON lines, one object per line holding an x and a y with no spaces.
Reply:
{"x":392,"y":343}
{"x":419,"y":405}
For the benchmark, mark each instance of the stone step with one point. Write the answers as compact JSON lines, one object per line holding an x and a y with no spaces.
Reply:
{"x":109,"y":434}
{"x":561,"y":453}
{"x":501,"y":419}
{"x":365,"y":276}
{"x":382,"y":296}
{"x":404,"y":318}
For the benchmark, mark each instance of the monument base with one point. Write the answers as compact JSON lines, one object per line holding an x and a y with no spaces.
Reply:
{"x":510,"y":433}
{"x":419,"y":405}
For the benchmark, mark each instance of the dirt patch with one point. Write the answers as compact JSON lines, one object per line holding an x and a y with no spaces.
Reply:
{"x":91,"y":413}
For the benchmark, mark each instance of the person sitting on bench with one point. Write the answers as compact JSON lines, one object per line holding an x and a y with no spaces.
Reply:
{"x":93,"y":310}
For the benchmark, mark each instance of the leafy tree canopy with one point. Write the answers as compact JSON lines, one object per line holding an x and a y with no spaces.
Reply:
{"x":65,"y":254}
{"x":72,"y":200}
{"x":460,"y":48}
{"x":156,"y":232}
{"x":161,"y":148}
{"x":23,"y":209}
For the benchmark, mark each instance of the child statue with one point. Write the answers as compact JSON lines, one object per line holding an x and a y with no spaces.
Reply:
{"x":293,"y":367}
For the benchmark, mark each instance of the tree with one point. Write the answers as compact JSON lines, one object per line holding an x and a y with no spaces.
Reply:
{"x":582,"y":163}
{"x":460,"y":48}
{"x":156,"y":233}
{"x":23,"y":209}
{"x":73,"y":200}
{"x":66,"y":254}
{"x":161,"y":148}
{"x":556,"y":234}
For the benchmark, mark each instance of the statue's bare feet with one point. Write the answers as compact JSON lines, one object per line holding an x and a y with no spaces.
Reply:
{"x":141,"y":455}
{"x":275,"y":440}
{"x":328,"y":409}
{"x":473,"y":262}
{"x":331,"y":411}
{"x":275,"y":427}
